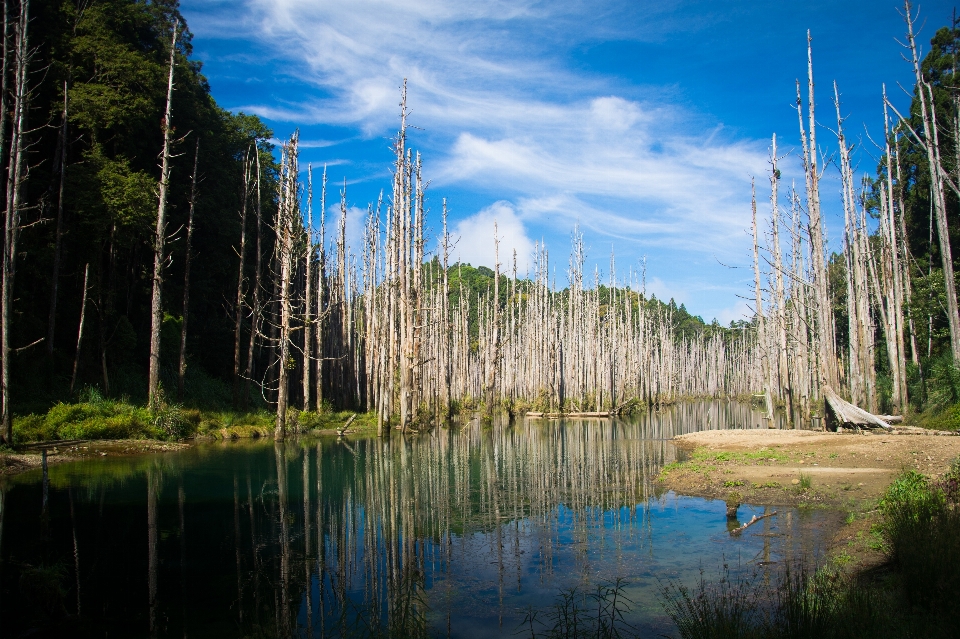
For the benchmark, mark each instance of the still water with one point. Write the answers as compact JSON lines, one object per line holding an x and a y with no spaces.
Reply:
{"x":465,"y":530}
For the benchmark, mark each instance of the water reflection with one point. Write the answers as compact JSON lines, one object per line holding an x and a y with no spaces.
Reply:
{"x":452,"y":532}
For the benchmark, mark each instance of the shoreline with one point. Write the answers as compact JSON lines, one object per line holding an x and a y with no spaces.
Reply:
{"x":29,"y":456}
{"x":842,"y":472}
{"x":21,"y":461}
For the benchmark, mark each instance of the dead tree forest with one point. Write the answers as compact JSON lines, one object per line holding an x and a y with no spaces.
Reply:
{"x":121,"y":243}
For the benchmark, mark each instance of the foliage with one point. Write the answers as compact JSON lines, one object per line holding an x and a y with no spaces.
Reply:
{"x":112,"y":57}
{"x":729,"y":607}
{"x":922,"y":528}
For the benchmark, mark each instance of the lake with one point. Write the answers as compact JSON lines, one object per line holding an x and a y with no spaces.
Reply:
{"x":459,"y":532}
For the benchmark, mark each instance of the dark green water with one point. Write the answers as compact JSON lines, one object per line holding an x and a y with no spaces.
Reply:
{"x":467,"y":528}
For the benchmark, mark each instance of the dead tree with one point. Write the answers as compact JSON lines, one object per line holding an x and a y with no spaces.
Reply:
{"x":83,"y":315}
{"x":16,"y":175}
{"x":308,"y":294}
{"x":241,"y":276}
{"x":159,"y":241}
{"x":58,"y":239}
{"x":287,"y":210}
{"x":182,"y":368}
{"x":931,"y":145}
{"x":823,"y":327}
{"x":255,"y":305}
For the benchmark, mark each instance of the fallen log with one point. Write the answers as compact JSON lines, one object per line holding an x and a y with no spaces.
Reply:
{"x":538,"y":415}
{"x":343,"y":429}
{"x":755,"y":519}
{"x":841,"y":412}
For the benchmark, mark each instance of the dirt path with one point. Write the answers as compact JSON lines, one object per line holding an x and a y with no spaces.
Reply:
{"x":59,"y":452}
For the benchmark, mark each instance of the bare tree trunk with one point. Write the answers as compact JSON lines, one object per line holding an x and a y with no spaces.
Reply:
{"x":287,"y":211}
{"x":321,"y":291}
{"x":783,"y":368}
{"x":928,"y":112}
{"x":255,"y":307}
{"x":241,"y":276}
{"x":15,"y":177}
{"x":758,"y":291}
{"x":825,"y":332}
{"x":308,"y":295}
{"x":156,"y":309}
{"x":182,"y":368}
{"x":58,"y":241}
{"x":494,"y":357}
{"x":445,"y":319}
{"x":83,"y":315}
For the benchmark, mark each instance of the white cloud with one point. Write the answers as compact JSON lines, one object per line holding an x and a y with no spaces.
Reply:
{"x":474,"y":237}
{"x":739,"y":311}
{"x":356,"y":220}
{"x":509,"y":117}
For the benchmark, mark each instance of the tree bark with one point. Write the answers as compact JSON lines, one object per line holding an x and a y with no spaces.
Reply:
{"x":286,"y":212}
{"x":255,"y":306}
{"x":159,"y":242}
{"x":928,"y":113}
{"x":182,"y":368}
{"x":58,"y":240}
{"x":241,"y":278}
{"x":308,"y":295}
{"x":15,"y":177}
{"x":83,"y":314}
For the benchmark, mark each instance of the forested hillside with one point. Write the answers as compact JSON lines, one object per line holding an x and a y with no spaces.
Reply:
{"x":95,"y":95}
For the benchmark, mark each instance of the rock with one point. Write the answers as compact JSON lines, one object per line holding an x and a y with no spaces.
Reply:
{"x":795,"y":482}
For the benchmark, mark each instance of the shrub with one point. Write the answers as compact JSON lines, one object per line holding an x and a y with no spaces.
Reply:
{"x":923,"y":532}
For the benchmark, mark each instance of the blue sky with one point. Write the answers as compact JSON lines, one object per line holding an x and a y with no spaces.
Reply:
{"x":641,"y":121}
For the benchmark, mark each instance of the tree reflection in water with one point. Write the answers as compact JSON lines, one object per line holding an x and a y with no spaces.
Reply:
{"x":428,"y":533}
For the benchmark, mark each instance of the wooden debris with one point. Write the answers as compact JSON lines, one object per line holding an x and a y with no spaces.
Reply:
{"x":539,"y":415}
{"x":343,"y":429}
{"x":753,"y":520}
{"x":841,"y":412}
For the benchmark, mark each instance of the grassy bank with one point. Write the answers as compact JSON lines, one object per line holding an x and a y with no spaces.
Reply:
{"x":97,"y":417}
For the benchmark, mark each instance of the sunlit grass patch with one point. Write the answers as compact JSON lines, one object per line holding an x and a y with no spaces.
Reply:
{"x":703,"y":454}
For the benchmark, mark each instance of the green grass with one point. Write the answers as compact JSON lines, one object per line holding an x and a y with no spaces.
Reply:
{"x":98,"y":418}
{"x":764,"y":454}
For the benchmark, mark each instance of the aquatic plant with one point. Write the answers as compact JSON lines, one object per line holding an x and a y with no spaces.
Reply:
{"x":597,"y":613}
